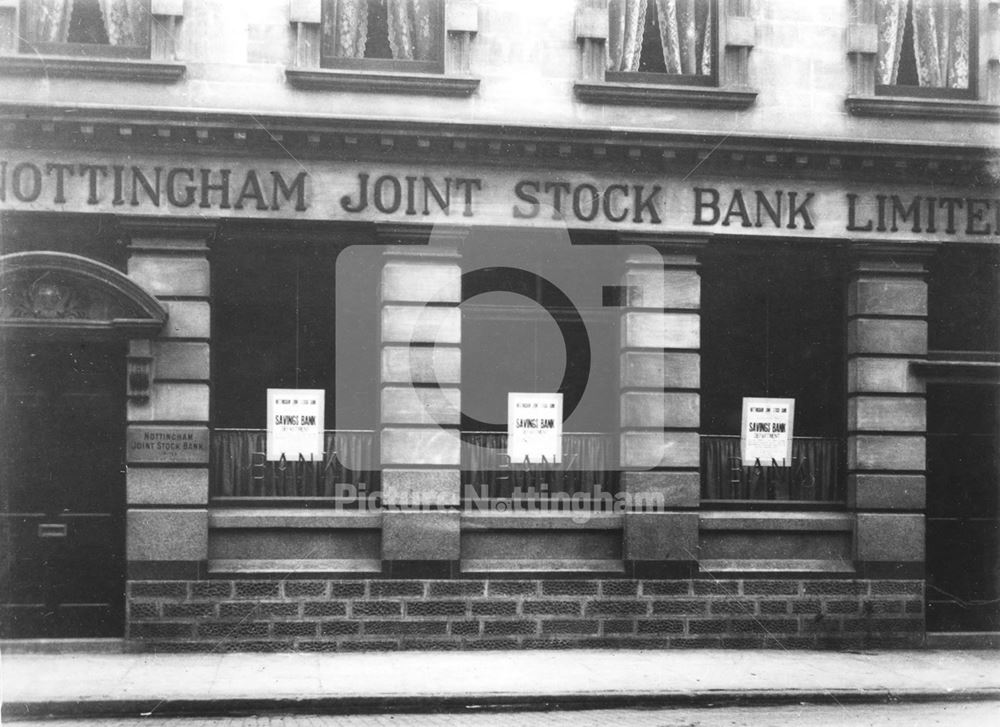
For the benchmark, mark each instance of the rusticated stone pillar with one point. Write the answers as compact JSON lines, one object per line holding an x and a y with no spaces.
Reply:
{"x":660,"y":405}
{"x":168,"y":403}
{"x":886,"y":417}
{"x":420,"y":400}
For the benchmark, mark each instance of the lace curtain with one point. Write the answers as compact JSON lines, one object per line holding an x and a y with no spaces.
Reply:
{"x":48,"y":20}
{"x":940,"y":41}
{"x":125,"y":21}
{"x":685,"y":35}
{"x":410,"y":25}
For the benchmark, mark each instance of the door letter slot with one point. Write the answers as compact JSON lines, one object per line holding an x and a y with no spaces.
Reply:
{"x":52,"y":530}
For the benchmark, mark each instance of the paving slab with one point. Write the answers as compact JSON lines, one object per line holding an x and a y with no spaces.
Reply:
{"x":212,"y":683}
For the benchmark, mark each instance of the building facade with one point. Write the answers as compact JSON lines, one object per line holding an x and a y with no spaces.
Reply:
{"x":376,"y":227}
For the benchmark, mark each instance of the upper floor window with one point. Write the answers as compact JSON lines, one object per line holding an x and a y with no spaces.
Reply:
{"x":926,"y":47}
{"x":383,"y":35}
{"x":99,"y":28}
{"x":662,"y":41}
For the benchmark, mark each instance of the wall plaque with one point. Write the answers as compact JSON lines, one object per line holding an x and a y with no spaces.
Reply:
{"x":166,"y":444}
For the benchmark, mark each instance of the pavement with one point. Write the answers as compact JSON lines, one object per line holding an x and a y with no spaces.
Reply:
{"x":128,"y":684}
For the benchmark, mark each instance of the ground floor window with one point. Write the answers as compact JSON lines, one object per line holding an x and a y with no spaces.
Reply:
{"x":274,"y":326}
{"x":534,"y":320}
{"x":773,"y":326}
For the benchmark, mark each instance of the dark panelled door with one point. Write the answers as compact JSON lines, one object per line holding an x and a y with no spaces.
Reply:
{"x":62,"y":425}
{"x":963,"y":519}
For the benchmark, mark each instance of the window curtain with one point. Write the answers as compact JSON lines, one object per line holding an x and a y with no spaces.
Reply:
{"x":48,"y":20}
{"x":239,"y":468}
{"x":627,"y":21}
{"x":126,"y":21}
{"x":591,"y":462}
{"x":813,"y":474}
{"x":686,"y":35}
{"x":352,"y":28}
{"x":940,"y":41}
{"x":411,"y":30}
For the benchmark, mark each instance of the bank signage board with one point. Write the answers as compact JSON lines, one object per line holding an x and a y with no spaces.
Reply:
{"x":162,"y":185}
{"x":767,"y":431}
{"x":534,"y":428}
{"x":295,"y":424}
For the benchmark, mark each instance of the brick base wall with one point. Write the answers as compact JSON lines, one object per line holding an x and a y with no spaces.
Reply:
{"x":352,"y":615}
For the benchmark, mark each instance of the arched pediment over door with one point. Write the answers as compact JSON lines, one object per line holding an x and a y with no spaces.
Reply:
{"x":61,"y":294}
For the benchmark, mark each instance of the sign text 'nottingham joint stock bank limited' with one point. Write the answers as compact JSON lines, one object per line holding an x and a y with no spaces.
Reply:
{"x":363,"y":193}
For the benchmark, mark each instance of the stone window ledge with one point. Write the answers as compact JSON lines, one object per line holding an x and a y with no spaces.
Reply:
{"x":541,"y":521}
{"x":653,"y":94}
{"x":540,"y":565}
{"x":281,"y":567}
{"x":923,"y":108}
{"x":431,"y":84}
{"x":748,"y":520}
{"x":260,"y":518}
{"x":776,"y":568}
{"x":117,"y":69}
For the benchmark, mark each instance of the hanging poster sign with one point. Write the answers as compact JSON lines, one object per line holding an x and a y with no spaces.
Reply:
{"x":534,"y":428}
{"x":766,"y":435}
{"x":295,"y":424}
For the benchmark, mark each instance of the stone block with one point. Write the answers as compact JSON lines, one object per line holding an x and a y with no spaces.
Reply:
{"x":412,"y":488}
{"x":179,"y":360}
{"x":658,"y":409}
{"x":421,"y":324}
{"x":870,"y":335}
{"x":591,"y":23}
{"x":871,"y":491}
{"x":421,"y":405}
{"x":873,"y":413}
{"x":889,"y":537}
{"x":660,"y":370}
{"x":412,"y":446}
{"x":886,"y":452}
{"x":187,"y":319}
{"x":741,"y":32}
{"x":420,"y":535}
{"x":170,"y":274}
{"x":661,"y":330}
{"x":462,"y":16}
{"x":882,"y":375}
{"x":661,"y":536}
{"x":421,"y":365}
{"x":166,"y":534}
{"x":661,"y":489}
{"x":648,"y":288}
{"x":861,"y":38}
{"x":888,"y":296}
{"x":419,"y":282}
{"x":167,"y":486}
{"x":172,"y":402}
{"x":305,"y":11}
{"x":659,"y":449}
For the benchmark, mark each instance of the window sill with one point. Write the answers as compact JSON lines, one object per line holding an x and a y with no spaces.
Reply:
{"x":653,"y":94}
{"x":783,"y":521}
{"x":326,"y":79}
{"x":105,"y":68}
{"x":923,"y":108}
